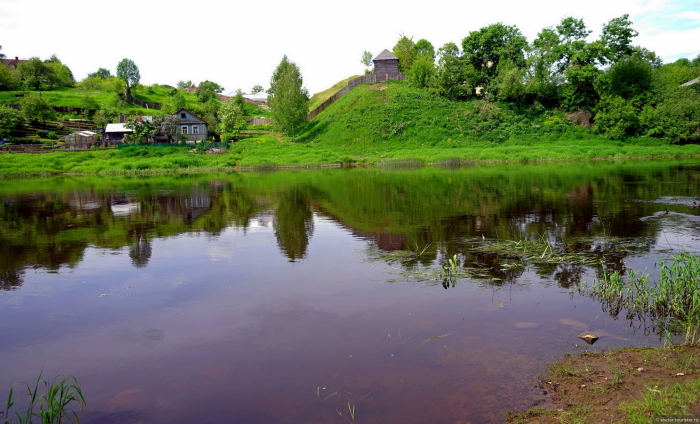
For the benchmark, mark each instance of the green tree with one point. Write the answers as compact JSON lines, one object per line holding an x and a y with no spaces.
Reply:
{"x":185,"y":84}
{"x":8,"y":79}
{"x":289,"y":100}
{"x":485,"y":48}
{"x":258,"y":89}
{"x":129,"y":73}
{"x":630,"y":77}
{"x":35,"y":108}
{"x":34,"y":73}
{"x":10,"y":120}
{"x":424,"y":49}
{"x":89,"y":106}
{"x":422,"y":72}
{"x":293,"y":224}
{"x":101,"y":73}
{"x":617,"y":38}
{"x":232,"y":119}
{"x":103,"y":117}
{"x":207,"y":90}
{"x":450,"y":80}
{"x":367,"y":61}
{"x":406,"y":52}
{"x":617,"y":118}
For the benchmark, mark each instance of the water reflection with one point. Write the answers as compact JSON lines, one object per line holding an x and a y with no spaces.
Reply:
{"x":293,"y":224}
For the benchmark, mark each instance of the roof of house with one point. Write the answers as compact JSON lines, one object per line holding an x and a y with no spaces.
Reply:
{"x":117,"y":128}
{"x":199,"y":120}
{"x":12,"y":63}
{"x":386,"y":55}
{"x":691,"y":82}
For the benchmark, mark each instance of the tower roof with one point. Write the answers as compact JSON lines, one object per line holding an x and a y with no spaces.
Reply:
{"x":385,"y":55}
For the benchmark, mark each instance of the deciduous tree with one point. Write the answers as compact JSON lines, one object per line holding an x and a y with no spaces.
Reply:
{"x":35,"y":108}
{"x":10,"y":120}
{"x":289,"y":100}
{"x":129,"y":72}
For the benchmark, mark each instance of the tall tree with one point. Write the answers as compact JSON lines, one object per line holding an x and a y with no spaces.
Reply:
{"x":617,"y":38}
{"x":424,"y":49}
{"x":289,"y":100}
{"x":34,"y":72}
{"x":232,"y":119}
{"x":207,"y":90}
{"x":129,"y":72}
{"x":485,"y":48}
{"x":258,"y":89}
{"x":406,"y":52}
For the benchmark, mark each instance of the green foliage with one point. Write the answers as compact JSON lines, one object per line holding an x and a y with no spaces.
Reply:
{"x":406,"y":52}
{"x":617,"y":118}
{"x":232,"y":120}
{"x":101,"y":73}
{"x":617,"y":38}
{"x":35,"y":108}
{"x":422,"y":72}
{"x":486,"y":48}
{"x":34,"y":73}
{"x":289,"y":100}
{"x":367,"y":59}
{"x":53,"y":403}
{"x":8,"y":79}
{"x":10,"y":120}
{"x":206,"y":91}
{"x":128,"y":72}
{"x":677,"y":118}
{"x":630,"y":77}
{"x":257,"y":89}
{"x":185,"y":84}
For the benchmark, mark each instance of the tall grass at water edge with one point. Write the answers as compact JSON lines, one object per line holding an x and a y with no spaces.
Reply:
{"x":672,"y":303}
{"x":53,"y":406}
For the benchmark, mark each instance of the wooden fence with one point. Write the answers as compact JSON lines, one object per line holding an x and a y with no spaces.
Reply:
{"x":147,"y":105}
{"x":260,"y":121}
{"x":365,"y":79}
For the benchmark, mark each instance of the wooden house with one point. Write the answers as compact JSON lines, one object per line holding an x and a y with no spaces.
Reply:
{"x":386,"y":66}
{"x":13,"y":63}
{"x":191,"y":125}
{"x":114,"y":134}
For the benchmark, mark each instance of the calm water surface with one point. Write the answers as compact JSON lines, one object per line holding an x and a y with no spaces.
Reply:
{"x":288,"y":297}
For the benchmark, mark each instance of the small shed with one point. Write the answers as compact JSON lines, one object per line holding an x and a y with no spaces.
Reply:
{"x":386,"y":66}
{"x":114,"y":133}
{"x":82,"y":140}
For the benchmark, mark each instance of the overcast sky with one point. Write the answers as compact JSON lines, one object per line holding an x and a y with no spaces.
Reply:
{"x":238,"y":44}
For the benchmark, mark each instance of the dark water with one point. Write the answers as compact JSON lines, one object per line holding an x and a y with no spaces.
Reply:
{"x":282,"y":298}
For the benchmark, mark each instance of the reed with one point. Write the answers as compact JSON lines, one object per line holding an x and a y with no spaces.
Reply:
{"x":672,"y":303}
{"x":50,"y":407}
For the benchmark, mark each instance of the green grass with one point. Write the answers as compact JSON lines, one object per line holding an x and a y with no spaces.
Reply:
{"x":324,"y":95}
{"x":50,"y":407}
{"x":665,"y":400}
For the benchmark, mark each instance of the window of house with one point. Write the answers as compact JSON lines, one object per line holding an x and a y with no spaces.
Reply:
{"x":195,"y":129}
{"x":184,"y":129}
{"x":183,"y":115}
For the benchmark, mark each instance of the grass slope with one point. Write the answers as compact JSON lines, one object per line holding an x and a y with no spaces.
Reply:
{"x":324,"y":95}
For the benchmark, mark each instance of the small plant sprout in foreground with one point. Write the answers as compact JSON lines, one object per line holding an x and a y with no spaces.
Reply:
{"x":50,"y":407}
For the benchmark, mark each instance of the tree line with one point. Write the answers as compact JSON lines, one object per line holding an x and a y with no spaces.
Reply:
{"x":625,"y":89}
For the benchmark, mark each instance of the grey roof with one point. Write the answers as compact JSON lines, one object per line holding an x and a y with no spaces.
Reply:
{"x":691,"y":82}
{"x":386,"y":55}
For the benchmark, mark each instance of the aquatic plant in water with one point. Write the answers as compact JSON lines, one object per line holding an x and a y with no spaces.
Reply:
{"x":52,"y":404}
{"x":672,"y":303}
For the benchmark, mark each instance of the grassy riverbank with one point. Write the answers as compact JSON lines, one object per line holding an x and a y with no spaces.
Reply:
{"x":632,"y":385}
{"x":267,"y":151}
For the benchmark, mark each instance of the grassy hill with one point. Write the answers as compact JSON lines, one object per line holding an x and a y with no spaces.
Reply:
{"x":397,"y":114}
{"x":324,"y":95}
